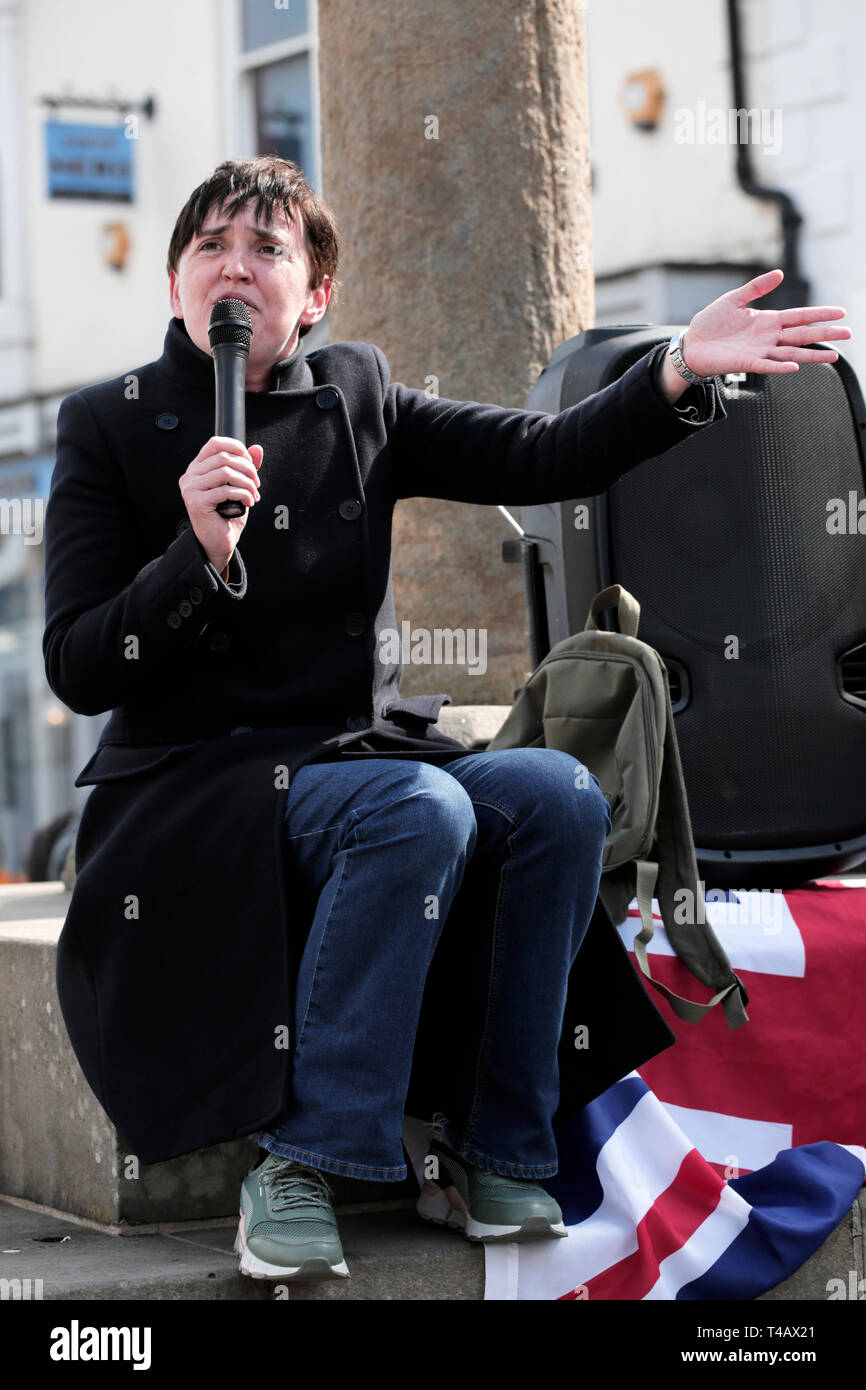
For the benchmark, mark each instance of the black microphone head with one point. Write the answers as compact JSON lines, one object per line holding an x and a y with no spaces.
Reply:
{"x":230,"y":322}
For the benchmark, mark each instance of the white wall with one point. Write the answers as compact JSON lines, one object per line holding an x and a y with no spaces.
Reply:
{"x":656,"y":199}
{"x":89,"y":320}
{"x":14,"y":307}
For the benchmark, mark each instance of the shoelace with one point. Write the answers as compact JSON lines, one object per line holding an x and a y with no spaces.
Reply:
{"x":435,"y":1125}
{"x":296,"y":1186}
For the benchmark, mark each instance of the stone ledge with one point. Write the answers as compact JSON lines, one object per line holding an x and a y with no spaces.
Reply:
{"x":471,"y":724}
{"x":58,"y":1148}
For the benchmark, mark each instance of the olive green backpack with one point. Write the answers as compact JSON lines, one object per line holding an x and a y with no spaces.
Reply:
{"x":604,"y":698}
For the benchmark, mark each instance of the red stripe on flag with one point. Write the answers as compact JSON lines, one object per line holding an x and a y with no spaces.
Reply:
{"x":794,"y":1062}
{"x":669,"y":1224}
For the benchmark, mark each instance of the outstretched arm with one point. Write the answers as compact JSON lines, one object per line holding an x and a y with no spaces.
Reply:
{"x":466,"y":451}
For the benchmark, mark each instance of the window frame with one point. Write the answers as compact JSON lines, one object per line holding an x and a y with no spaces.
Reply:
{"x":241,"y":66}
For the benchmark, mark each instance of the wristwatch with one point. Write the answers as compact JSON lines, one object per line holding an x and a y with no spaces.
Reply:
{"x":676,"y":356}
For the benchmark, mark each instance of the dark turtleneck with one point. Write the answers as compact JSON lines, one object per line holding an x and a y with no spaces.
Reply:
{"x":183,"y":359}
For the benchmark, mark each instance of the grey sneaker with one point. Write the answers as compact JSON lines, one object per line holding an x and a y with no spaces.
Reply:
{"x":487,"y":1206}
{"x":287,"y":1226}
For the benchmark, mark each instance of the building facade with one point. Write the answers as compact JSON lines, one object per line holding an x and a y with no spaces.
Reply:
{"x":110,"y":117}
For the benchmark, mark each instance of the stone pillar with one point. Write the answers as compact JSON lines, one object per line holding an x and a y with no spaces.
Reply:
{"x":455,"y":152}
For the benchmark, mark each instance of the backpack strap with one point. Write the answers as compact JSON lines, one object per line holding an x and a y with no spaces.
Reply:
{"x":688,"y":1009}
{"x":626,"y":605}
{"x":695,"y":942}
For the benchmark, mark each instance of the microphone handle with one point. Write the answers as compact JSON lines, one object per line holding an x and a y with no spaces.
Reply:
{"x":230,"y":373}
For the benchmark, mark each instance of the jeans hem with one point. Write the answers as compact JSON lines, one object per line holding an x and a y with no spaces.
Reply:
{"x":341,"y":1167}
{"x":496,"y":1165}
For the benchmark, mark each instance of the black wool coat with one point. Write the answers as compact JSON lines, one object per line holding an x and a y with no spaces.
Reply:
{"x":176,"y":961}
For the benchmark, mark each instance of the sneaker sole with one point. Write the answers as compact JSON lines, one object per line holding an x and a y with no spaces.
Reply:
{"x":434,"y":1205}
{"x":312,"y":1269}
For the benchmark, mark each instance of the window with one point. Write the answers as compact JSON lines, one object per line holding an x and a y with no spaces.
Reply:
{"x":283,"y":117}
{"x":276,"y":52}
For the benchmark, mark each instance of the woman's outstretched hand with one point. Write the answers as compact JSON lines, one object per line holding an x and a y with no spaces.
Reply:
{"x":728,"y":336}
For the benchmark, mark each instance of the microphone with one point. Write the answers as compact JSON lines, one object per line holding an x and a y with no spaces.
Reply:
{"x":230,"y":333}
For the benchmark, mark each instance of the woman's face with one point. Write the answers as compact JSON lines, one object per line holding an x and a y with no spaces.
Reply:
{"x":267,"y":266}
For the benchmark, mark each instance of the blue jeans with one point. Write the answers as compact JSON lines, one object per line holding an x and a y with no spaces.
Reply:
{"x":494,"y":858}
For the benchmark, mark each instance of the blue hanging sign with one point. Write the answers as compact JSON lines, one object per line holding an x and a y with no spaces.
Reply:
{"x":89,"y":161}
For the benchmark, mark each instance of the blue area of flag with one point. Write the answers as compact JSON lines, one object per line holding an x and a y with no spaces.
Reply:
{"x":576,"y":1187}
{"x":797,"y":1201}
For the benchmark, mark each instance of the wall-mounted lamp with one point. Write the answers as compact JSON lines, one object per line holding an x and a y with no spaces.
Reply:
{"x":643,"y":98}
{"x":116,"y":243}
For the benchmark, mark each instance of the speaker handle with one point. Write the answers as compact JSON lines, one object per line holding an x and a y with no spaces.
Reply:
{"x":627,"y":606}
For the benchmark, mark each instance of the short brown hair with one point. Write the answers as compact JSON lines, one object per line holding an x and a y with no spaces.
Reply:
{"x":273,"y":182}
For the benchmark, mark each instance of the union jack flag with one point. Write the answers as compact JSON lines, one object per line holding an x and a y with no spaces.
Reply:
{"x":724,"y":1163}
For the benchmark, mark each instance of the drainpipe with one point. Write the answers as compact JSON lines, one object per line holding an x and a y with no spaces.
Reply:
{"x":794,"y":290}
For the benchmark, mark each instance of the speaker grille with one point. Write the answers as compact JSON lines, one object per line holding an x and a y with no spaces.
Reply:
{"x":724,"y":541}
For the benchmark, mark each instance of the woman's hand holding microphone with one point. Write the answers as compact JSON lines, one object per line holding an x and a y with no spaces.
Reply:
{"x":223,"y":470}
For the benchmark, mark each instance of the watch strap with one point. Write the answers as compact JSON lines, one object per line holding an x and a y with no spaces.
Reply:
{"x":675,"y":353}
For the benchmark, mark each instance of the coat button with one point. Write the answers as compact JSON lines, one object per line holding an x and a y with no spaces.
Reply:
{"x":350,"y":509}
{"x":196,"y":594}
{"x":356,"y":722}
{"x":174,"y":619}
{"x":327,"y":399}
{"x":218,"y":642}
{"x":167,"y":421}
{"x":184,"y":608}
{"x":355,"y":624}
{"x":182,"y":526}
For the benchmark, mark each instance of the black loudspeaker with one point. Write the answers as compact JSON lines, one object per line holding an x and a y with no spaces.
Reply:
{"x":743,"y":546}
